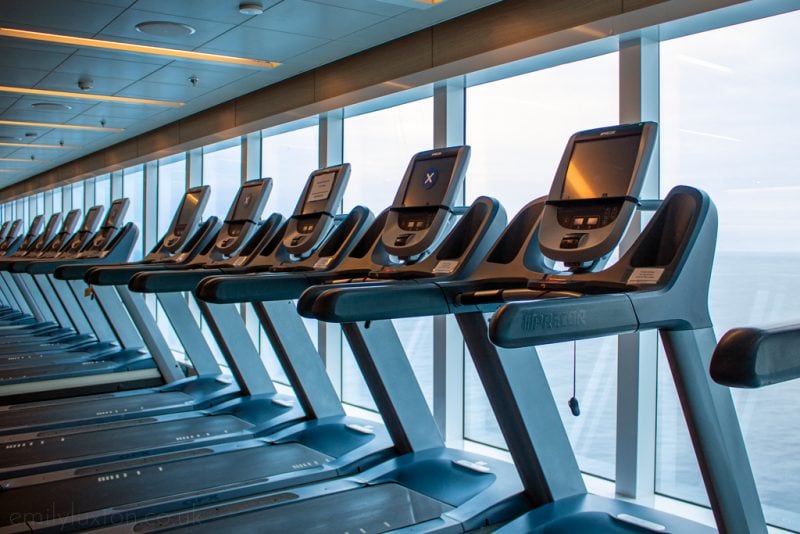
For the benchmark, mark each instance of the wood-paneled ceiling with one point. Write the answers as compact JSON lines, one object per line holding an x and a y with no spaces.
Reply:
{"x":301,"y":34}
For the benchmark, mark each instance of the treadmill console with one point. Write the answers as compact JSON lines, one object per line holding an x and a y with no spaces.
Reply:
{"x":595,"y":192}
{"x":112,"y":223}
{"x":424,"y":202}
{"x":33,"y":232}
{"x":314,"y":214}
{"x":90,"y":222}
{"x":70,"y":222}
{"x":12,"y":235}
{"x":243,"y":215}
{"x":187,"y":217}
{"x":4,"y":230}
{"x":44,"y":238}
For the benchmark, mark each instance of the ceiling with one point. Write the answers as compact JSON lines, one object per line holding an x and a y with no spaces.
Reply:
{"x":301,"y":34}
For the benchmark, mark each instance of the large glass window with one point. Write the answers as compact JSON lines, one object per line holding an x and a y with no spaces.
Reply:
{"x":288,"y":158}
{"x":728,"y":116}
{"x":133,"y":190}
{"x":102,"y":190}
{"x":222,"y":170}
{"x":171,"y":186}
{"x":77,"y":192}
{"x":58,"y":203}
{"x":379,"y":146}
{"x":518,"y":128}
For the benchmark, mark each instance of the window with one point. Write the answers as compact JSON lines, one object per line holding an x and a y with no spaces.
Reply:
{"x":289,"y":158}
{"x":133,"y":190}
{"x":518,"y":128}
{"x":728,"y":108}
{"x":58,"y":201}
{"x":77,"y":192}
{"x":222,"y":170}
{"x":102,"y":190}
{"x":379,"y":146}
{"x":171,"y":186}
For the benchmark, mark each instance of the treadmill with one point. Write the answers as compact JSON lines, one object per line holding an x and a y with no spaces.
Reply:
{"x":53,"y":247}
{"x":417,"y":241}
{"x":17,"y":247}
{"x":184,"y":240}
{"x":67,"y":302}
{"x":661,"y":282}
{"x":323,"y":445}
{"x":75,"y":446}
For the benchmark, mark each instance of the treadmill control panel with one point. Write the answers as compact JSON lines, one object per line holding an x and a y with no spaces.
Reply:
{"x":595,"y":192}
{"x":423,"y":204}
{"x":114,"y":218}
{"x":187,"y":217}
{"x":243,"y":216}
{"x":313,"y":215}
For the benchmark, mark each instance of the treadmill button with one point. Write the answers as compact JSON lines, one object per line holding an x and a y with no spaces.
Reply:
{"x":402,"y":239}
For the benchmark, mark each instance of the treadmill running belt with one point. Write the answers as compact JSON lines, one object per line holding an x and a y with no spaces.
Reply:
{"x":370,"y":509}
{"x":102,"y":407}
{"x":133,"y":438}
{"x":66,"y":370}
{"x":120,"y":489}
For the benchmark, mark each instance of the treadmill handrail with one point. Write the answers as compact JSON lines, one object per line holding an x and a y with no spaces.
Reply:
{"x":757,"y":357}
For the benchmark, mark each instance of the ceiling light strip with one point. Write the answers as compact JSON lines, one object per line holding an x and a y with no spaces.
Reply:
{"x":4,"y":122}
{"x":37,"y":145}
{"x":135,"y":48}
{"x":24,"y":160}
{"x":84,"y":96}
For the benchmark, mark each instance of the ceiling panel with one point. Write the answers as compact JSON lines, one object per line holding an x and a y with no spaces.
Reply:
{"x":317,"y":20}
{"x":24,"y":112}
{"x":165,"y":91}
{"x":21,"y":77}
{"x":6,"y":101}
{"x":73,"y":16}
{"x":94,"y":66}
{"x":368,"y":6}
{"x":123,"y":111}
{"x":86,"y":119}
{"x":124,"y":28}
{"x":18,"y":57}
{"x":262,"y":44}
{"x":68,"y":81}
{"x":180,"y":72}
{"x":218,"y":10}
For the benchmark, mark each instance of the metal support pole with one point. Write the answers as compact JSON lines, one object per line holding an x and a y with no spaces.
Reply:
{"x":637,"y":370}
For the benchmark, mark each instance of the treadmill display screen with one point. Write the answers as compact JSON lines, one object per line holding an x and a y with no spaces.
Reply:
{"x":430,"y":179}
{"x":112,"y":213}
{"x":246,"y":203}
{"x":90,"y":219}
{"x":188,"y":209}
{"x":320,"y":191}
{"x":601,"y":167}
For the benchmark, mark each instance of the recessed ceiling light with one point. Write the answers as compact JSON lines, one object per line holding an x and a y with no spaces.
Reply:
{"x":136,"y":48}
{"x":24,"y":160}
{"x":39,"y":145}
{"x":164,"y":28}
{"x":7,"y":170}
{"x":51,"y":106}
{"x":10,"y":138}
{"x":251,"y":8}
{"x":61,"y":126}
{"x":83,"y":96}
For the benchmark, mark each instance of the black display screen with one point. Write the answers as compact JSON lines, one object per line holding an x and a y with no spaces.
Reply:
{"x":430,"y":179}
{"x":188,"y":210}
{"x":601,"y":167}
{"x":247,"y":202}
{"x":319,"y":192}
{"x":113,"y":213}
{"x":91,"y":217}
